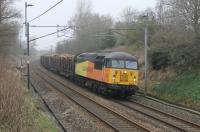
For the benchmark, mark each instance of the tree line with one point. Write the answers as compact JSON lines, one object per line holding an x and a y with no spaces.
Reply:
{"x":9,"y":28}
{"x":174,"y":32}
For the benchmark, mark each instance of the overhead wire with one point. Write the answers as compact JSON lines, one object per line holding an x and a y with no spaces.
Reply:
{"x":49,"y":26}
{"x":49,"y":34}
{"x":80,"y":26}
{"x":166,"y":17}
{"x":46,"y":11}
{"x":66,"y":27}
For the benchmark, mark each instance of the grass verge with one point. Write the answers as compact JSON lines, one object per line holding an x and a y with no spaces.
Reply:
{"x":18,"y":113}
{"x":182,"y":89}
{"x":43,"y":122}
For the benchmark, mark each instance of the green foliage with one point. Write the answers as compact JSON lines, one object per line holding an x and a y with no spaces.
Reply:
{"x":43,"y":122}
{"x":108,"y":41}
{"x":176,"y":48}
{"x":172,"y":41}
{"x":159,"y":60}
{"x":177,"y":37}
{"x":183,"y":89}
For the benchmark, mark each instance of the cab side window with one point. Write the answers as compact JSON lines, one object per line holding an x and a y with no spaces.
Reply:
{"x":99,"y":62}
{"x":98,"y":65}
{"x":108,"y":63}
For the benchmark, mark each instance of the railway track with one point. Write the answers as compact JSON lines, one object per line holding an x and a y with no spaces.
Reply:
{"x":115,"y":120}
{"x":165,"y":118}
{"x":156,"y":99}
{"x":120,"y":122}
{"x":48,"y":108}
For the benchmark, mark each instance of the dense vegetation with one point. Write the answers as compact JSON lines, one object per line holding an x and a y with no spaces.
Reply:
{"x":173,"y":32}
{"x":183,"y":89}
{"x":175,"y":45}
{"x":14,"y":111}
{"x":9,"y":29}
{"x":17,"y":110}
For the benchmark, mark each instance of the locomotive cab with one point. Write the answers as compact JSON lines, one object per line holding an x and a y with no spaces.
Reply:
{"x":108,"y":72}
{"x":123,"y":72}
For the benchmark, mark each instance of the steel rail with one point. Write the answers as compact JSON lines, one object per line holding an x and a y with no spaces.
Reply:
{"x":168,"y":114}
{"x":94,"y":101}
{"x":77,"y":103}
{"x":48,"y":108}
{"x":159,"y":119}
{"x":165,"y":102}
{"x":148,"y":115}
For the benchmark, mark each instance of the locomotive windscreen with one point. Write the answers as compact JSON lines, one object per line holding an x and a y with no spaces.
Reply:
{"x":122,"y":64}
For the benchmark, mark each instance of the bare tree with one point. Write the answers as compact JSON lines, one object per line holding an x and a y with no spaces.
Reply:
{"x":88,"y":25}
{"x":130,"y":15}
{"x":6,"y":11}
{"x":180,"y":12}
{"x":9,"y":28}
{"x":190,"y":11}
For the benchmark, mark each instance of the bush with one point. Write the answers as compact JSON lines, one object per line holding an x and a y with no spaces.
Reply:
{"x":174,"y":48}
{"x":108,"y":41}
{"x":159,"y":60}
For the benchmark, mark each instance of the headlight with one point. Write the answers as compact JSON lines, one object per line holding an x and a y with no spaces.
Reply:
{"x":134,"y":79}
{"x":114,"y":77}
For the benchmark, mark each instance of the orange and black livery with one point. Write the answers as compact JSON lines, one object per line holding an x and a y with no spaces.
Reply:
{"x":108,"y":73}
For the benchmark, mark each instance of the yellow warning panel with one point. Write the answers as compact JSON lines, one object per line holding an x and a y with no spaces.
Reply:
{"x":81,"y":68}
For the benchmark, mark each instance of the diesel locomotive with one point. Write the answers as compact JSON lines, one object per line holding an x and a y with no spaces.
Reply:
{"x":107,"y":73}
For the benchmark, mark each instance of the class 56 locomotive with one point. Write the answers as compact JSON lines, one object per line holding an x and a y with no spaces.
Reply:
{"x":110,"y":73}
{"x":116,"y":73}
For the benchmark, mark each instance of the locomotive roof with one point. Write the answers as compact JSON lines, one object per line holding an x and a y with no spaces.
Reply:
{"x":108,"y":55}
{"x":66,"y":55}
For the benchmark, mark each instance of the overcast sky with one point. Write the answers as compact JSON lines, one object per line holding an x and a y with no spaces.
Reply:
{"x":64,"y":11}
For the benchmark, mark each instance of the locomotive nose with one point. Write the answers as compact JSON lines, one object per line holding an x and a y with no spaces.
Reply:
{"x":124,"y":77}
